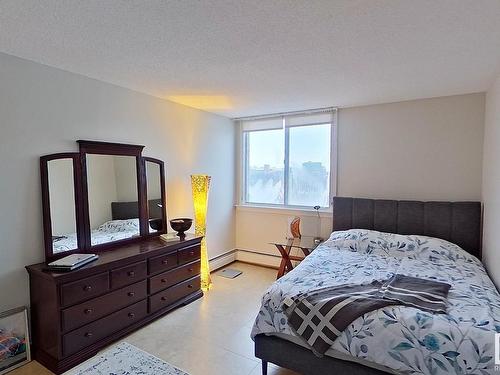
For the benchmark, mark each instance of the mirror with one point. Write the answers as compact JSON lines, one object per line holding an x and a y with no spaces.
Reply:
{"x":107,"y":193}
{"x":112,"y":198}
{"x":61,"y":187}
{"x":155,"y":195}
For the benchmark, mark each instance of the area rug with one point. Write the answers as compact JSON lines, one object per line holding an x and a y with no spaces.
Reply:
{"x":126,"y":359}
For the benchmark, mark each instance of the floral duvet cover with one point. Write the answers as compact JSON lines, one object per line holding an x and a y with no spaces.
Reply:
{"x":398,"y":338}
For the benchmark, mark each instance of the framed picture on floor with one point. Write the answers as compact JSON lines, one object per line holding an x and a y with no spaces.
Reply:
{"x":14,"y":339}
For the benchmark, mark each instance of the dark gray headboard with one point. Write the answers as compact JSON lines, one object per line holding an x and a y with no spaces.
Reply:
{"x":130,"y":210}
{"x":457,"y":222}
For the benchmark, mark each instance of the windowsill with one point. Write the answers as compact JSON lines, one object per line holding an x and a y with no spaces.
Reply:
{"x":300,"y":211}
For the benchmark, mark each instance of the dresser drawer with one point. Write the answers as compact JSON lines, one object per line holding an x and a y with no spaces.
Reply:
{"x":81,"y":290}
{"x":88,"y":311}
{"x":162,"y":262}
{"x":172,"y":277}
{"x":93,"y":332}
{"x":189,"y":254}
{"x":128,"y":274}
{"x":173,"y":294}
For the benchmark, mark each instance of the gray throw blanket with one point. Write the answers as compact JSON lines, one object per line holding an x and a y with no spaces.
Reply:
{"x":321,"y":316}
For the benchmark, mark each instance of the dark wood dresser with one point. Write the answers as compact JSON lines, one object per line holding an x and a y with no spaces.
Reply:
{"x":75,"y":314}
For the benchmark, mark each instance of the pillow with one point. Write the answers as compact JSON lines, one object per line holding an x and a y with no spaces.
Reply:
{"x":128,"y":225}
{"x":372,"y":242}
{"x":397,"y":245}
{"x":436,"y":249}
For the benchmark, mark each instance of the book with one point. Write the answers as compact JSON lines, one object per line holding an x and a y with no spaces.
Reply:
{"x":72,"y":262}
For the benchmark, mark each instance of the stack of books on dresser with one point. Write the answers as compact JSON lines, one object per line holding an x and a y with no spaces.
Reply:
{"x":72,"y":262}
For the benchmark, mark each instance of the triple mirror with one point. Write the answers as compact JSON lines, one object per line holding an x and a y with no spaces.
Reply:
{"x":103,"y":196}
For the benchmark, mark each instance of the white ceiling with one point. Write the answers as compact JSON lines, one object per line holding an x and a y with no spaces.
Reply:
{"x":250,"y":57}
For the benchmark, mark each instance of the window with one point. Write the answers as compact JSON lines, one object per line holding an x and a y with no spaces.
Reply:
{"x":287,"y":159}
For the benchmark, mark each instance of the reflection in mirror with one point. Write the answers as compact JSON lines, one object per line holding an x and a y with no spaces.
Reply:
{"x":155,"y":204}
{"x":62,"y":205}
{"x":112,"y":197}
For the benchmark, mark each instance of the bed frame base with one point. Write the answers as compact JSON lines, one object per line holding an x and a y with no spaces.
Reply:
{"x":297,"y":358}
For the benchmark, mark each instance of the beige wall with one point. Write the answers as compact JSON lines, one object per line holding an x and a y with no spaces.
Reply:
{"x":45,"y":110}
{"x":428,"y":149}
{"x":257,"y":228}
{"x":491,"y":183}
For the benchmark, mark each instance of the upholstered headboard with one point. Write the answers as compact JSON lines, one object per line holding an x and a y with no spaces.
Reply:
{"x":130,"y":210}
{"x":457,"y":222}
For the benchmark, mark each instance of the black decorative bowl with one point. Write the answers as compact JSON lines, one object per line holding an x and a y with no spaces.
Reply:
{"x":156,"y":223}
{"x":181,"y":225}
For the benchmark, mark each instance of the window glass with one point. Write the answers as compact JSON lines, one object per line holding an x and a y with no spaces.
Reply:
{"x":265,"y":152}
{"x":309,"y":165}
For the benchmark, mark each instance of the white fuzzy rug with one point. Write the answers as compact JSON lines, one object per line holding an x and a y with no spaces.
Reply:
{"x":125,"y":359}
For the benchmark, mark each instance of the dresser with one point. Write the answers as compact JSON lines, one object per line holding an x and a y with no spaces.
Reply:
{"x":76,"y":314}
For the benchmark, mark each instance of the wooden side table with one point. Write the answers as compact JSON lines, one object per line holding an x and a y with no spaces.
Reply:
{"x":305,"y":243}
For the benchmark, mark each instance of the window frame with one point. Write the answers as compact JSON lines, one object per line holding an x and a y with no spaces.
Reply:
{"x":243,"y":164}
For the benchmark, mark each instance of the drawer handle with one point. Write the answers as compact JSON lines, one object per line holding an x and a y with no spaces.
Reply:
{"x":131,"y":315}
{"x":164,"y":298}
{"x":165,"y":261}
{"x":130,"y":294}
{"x":88,"y":311}
{"x":87,"y":288}
{"x":191,"y":253}
{"x":190,"y":286}
{"x":131,"y":273}
{"x":190,"y":269}
{"x":88,"y":334}
{"x":163,"y":280}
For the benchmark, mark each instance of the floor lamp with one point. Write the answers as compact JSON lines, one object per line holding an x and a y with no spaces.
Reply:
{"x":200,"y":184}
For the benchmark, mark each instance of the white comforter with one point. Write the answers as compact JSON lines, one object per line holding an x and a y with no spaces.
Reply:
{"x":401,"y":339}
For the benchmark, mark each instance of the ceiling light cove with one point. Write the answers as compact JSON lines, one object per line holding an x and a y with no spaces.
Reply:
{"x":203,"y":102}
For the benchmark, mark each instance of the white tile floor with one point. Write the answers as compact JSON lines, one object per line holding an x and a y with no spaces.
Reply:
{"x":210,"y":335}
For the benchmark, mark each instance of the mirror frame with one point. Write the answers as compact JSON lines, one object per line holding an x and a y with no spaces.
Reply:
{"x":113,"y":149}
{"x":82,"y":200}
{"x":161,"y":165}
{"x":77,"y":183}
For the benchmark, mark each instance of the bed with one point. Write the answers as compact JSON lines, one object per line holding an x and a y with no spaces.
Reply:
{"x":124,"y":224}
{"x":372,"y":240}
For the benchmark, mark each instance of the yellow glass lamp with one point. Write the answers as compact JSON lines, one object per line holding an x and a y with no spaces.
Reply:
{"x":200,"y":184}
